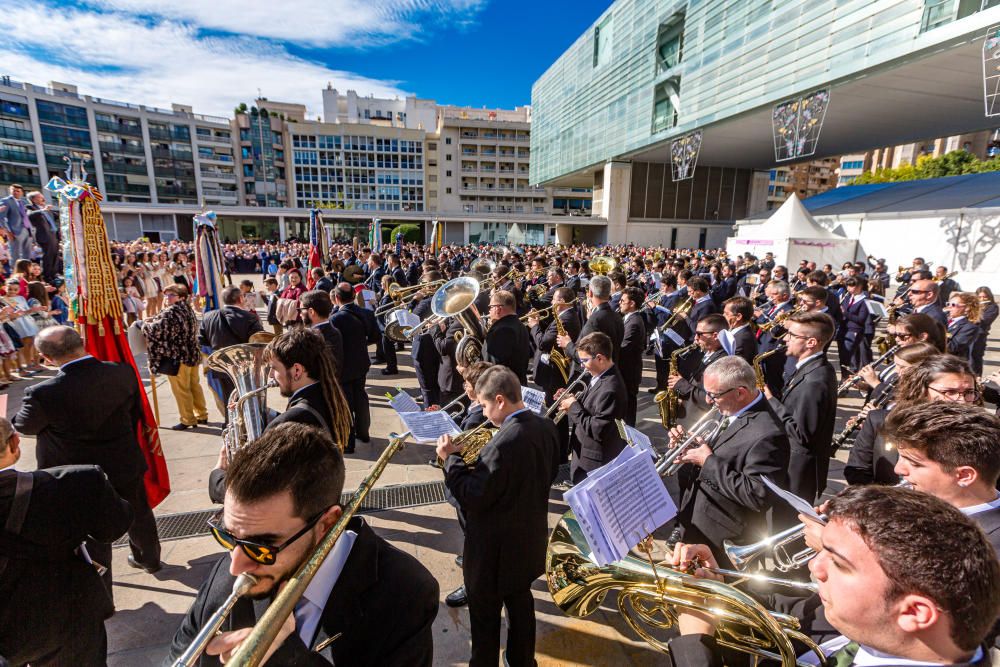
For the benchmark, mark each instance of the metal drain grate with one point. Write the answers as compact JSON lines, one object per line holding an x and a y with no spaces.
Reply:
{"x":399,"y":496}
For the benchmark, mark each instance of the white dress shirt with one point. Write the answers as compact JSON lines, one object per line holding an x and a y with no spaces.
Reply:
{"x":309,"y":610}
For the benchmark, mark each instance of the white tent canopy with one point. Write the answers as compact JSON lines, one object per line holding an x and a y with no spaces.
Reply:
{"x":792,"y":234}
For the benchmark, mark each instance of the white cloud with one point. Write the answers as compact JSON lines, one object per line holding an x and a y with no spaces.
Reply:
{"x":125,"y":57}
{"x":309,"y":22}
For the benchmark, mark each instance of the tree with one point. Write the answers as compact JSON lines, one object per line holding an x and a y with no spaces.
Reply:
{"x":242,"y":108}
{"x":410,"y":233}
{"x":955,"y":163}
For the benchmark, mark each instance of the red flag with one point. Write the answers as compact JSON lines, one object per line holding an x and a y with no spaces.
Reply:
{"x":314,"y":261}
{"x":114,"y":347}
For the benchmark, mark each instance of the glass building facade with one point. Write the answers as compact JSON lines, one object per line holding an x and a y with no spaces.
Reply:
{"x":650,"y":70}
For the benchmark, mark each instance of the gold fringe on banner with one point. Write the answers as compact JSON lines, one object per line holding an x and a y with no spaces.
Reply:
{"x":102,"y":297}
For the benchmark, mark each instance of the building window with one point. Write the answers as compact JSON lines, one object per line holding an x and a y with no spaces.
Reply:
{"x":447,"y":191}
{"x":432,"y":146}
{"x":432,"y":193}
{"x":447,"y":157}
{"x":670,"y":43}
{"x":666,"y":105}
{"x":602,"y":41}
{"x":448,"y":173}
{"x":432,"y":178}
{"x":447,"y":141}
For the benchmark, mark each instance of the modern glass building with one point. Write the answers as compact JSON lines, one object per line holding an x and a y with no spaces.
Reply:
{"x":649,"y":71}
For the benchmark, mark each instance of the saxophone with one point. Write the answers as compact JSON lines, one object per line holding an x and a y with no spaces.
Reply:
{"x":670,"y":402}
{"x":758,"y":365}
{"x":557,"y":357}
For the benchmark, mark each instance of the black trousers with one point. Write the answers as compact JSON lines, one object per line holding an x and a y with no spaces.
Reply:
{"x":50,"y":259}
{"x":361,"y":417}
{"x":428,"y":381}
{"x":562,"y":428}
{"x":632,"y":404}
{"x":143,"y":538}
{"x":662,"y":372}
{"x":484,"y":616}
{"x":388,"y":353}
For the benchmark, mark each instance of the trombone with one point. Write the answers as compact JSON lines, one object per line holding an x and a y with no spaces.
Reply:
{"x":540,"y":314}
{"x":401,"y":296}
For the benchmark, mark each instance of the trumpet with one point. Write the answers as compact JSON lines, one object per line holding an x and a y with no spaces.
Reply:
{"x":707,"y":427}
{"x":566,"y":392}
{"x":777,"y":545}
{"x":540,"y":314}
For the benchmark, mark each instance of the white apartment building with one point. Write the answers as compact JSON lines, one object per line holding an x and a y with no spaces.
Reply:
{"x":410,"y":113}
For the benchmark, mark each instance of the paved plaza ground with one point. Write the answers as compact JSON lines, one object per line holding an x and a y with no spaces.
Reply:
{"x":149,"y":607}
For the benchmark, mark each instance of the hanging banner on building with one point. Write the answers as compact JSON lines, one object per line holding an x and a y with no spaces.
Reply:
{"x":796,"y":124}
{"x":684,"y":153}
{"x":991,"y":71}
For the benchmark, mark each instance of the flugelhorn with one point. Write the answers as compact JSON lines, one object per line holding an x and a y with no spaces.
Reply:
{"x":707,"y":428}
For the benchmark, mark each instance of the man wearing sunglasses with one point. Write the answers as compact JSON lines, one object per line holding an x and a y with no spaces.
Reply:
{"x":689,"y":384}
{"x":369,"y":603}
{"x":923,"y":298}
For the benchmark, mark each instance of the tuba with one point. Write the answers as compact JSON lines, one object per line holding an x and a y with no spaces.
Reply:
{"x":456,"y":298}
{"x":247,"y":404}
{"x":652,"y":595}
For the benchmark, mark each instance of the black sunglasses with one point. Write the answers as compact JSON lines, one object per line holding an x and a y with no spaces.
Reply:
{"x":265,"y":554}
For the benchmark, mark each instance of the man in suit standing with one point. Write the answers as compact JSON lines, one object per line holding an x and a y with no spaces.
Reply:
{"x":369,"y":603}
{"x":725,"y":497}
{"x":945,"y":284}
{"x":14,"y":225}
{"x":54,"y":602}
{"x":808,"y":405}
{"x":595,"y":439}
{"x":923,"y":298}
{"x":356,"y":334}
{"x":690,"y":384}
{"x":233,"y":324}
{"x":661,"y":312}
{"x":507,"y":339}
{"x":703,"y":304}
{"x":322,"y":282}
{"x":602,"y":319}
{"x":396,"y":270}
{"x":88,"y":414}
{"x":504,"y":497}
{"x":46,"y":229}
{"x":855,"y":337}
{"x":779,"y":295}
{"x":426,"y":360}
{"x":738,"y":312}
{"x":315,"y":307}
{"x":633,"y":345}
{"x":546,"y":375}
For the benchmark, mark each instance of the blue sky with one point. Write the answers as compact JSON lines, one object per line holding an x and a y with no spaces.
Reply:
{"x":213,"y":55}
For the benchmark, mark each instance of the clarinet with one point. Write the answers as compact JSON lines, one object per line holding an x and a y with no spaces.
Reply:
{"x":883,"y":398}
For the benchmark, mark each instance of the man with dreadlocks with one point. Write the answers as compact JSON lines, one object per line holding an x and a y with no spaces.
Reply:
{"x":304,"y":369}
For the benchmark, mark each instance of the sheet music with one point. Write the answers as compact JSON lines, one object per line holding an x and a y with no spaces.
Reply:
{"x":403,"y":402}
{"x":799,"y":504}
{"x":620,"y":503}
{"x":636,"y":438}
{"x":876,"y":308}
{"x":369,"y":298}
{"x":427,"y":427}
{"x":674,"y":336}
{"x":533,"y":399}
{"x":726,"y":340}
{"x":407,"y":319}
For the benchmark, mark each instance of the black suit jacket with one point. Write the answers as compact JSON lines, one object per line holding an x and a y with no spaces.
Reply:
{"x":424,"y":351}
{"x":698,"y":312}
{"x":372,"y":333}
{"x":727,"y":498}
{"x":505,"y":498}
{"x":334,"y":342}
{"x":691,"y":387}
{"x":632,"y":349}
{"x":870,"y":461}
{"x":355,"y":338}
{"x":606,"y":321}
{"x":507,"y":344}
{"x":44,"y":235}
{"x":88,"y":414}
{"x":545,"y":340}
{"x":595,"y":440}
{"x":52,"y":597}
{"x":935,"y":311}
{"x":808,"y":408}
{"x":745,"y":344}
{"x":383,"y":606}
{"x":449,"y":379}
{"x":963,"y":338}
{"x":227,"y":326}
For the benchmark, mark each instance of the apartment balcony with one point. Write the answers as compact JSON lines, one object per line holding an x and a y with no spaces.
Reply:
{"x":173,"y":154}
{"x":120,"y":128}
{"x":62,"y":119}
{"x":127,"y":189}
{"x":469,"y":134}
{"x":221,"y":194}
{"x":489,"y":152}
{"x":217,"y":157}
{"x":488,"y":170}
{"x":168,"y":172}
{"x":218,"y":176}
{"x":168,"y":135}
{"x":126,"y":149}
{"x":212,"y":139}
{"x":523,"y":138}
{"x":26,"y":157}
{"x":124,"y":168}
{"x":15,"y":133}
{"x":172,"y":191}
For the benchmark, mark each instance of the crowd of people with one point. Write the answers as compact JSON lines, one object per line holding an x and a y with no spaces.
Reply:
{"x":905,"y":575}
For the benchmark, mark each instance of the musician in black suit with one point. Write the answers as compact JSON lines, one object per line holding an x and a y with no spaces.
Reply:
{"x":544,"y":372}
{"x":923,"y":299}
{"x":54,"y":602}
{"x":507,"y":339}
{"x":660,"y":311}
{"x":232,"y":324}
{"x":355,"y":332}
{"x":946,"y":285}
{"x":369,"y":603}
{"x":689,"y":383}
{"x":450,"y":380}
{"x":426,"y":359}
{"x":703,"y":305}
{"x":808,"y":404}
{"x":779,"y":296}
{"x":595,"y":439}
{"x":855,"y":337}
{"x":315,"y":307}
{"x":821,"y":279}
{"x":633,"y":345}
{"x":952,"y":584}
{"x":89,"y":414}
{"x":738,"y":312}
{"x":602,"y":319}
{"x":505,"y":497}
{"x":725,"y":497}
{"x":964,"y":331}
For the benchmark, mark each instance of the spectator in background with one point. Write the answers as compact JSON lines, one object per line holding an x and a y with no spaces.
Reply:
{"x":14,"y":224}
